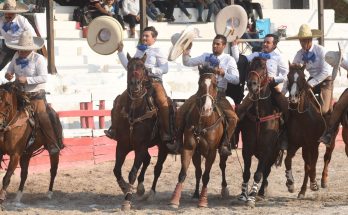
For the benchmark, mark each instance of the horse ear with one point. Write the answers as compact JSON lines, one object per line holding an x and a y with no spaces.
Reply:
{"x":128,"y":57}
{"x":144,"y":58}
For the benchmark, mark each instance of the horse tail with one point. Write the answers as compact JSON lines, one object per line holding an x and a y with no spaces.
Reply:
{"x":279,"y":159}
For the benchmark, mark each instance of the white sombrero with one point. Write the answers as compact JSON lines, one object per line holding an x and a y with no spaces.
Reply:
{"x":11,"y":6}
{"x":26,"y":42}
{"x":305,"y":32}
{"x":334,"y":58}
{"x":104,"y":35}
{"x":181,"y":41}
{"x":231,"y":22}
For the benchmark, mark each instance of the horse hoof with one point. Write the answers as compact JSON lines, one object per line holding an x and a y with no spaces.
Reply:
{"x":323,"y":184}
{"x":126,"y":206}
{"x":140,"y":189}
{"x":202,"y":205}
{"x":49,"y":194}
{"x":225,"y":193}
{"x":195,"y":195}
{"x":150,"y":196}
{"x":243,"y":197}
{"x":251,"y":202}
{"x":314,"y":186}
{"x":19,"y":196}
{"x":300,"y":196}
{"x":173,"y":205}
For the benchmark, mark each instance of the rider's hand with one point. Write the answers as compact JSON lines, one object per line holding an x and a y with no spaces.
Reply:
{"x":22,"y":79}
{"x":235,"y":42}
{"x":137,"y":18}
{"x":9,"y":76}
{"x":120,"y":47}
{"x":219,"y":71}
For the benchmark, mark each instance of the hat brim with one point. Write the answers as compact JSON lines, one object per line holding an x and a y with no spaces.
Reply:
{"x":104,"y":35}
{"x":231,"y":22}
{"x":315,"y":34}
{"x":38,"y":44}
{"x":20,"y":8}
{"x":182,"y":43}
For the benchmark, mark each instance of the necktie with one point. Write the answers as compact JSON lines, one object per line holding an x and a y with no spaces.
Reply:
{"x":308,"y":56}
{"x":10,"y":26}
{"x":142,"y":47}
{"x":264,"y":55}
{"x":22,"y":61}
{"x":212,"y":60}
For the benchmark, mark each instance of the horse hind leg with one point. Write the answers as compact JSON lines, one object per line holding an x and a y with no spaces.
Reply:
{"x":203,"y":197}
{"x":24,"y":164}
{"x":263,"y":189}
{"x":196,"y":160}
{"x":54,"y":160}
{"x":120,"y":158}
{"x":327,"y":160}
{"x":14,"y":160}
{"x":290,"y":181}
{"x":146,"y":163}
{"x":224,"y":189}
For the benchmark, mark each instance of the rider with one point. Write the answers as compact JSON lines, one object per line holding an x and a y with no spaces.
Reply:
{"x":337,"y":112}
{"x":12,"y":26}
{"x":313,"y":56}
{"x":156,"y":64}
{"x":277,"y":69}
{"x":30,"y":69}
{"x":226,"y":69}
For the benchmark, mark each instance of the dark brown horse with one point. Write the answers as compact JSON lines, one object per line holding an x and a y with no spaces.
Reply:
{"x":202,"y":137}
{"x":306,"y":124}
{"x":138,"y":129}
{"x":16,"y":131}
{"x":260,"y":131}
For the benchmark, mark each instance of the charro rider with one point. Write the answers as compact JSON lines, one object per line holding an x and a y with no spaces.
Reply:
{"x":340,"y":106}
{"x":156,"y":64}
{"x":12,"y":26}
{"x":313,"y":56}
{"x":30,"y":70}
{"x":277,"y":69}
{"x":226,"y":69}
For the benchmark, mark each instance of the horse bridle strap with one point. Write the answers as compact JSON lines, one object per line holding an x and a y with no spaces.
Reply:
{"x":147,"y":115}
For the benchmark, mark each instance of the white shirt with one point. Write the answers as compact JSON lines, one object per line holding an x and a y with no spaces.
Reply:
{"x":36,"y":71}
{"x":22,"y":23}
{"x":131,"y":7}
{"x":156,"y":60}
{"x":227,"y":63}
{"x":319,"y":70}
{"x":277,"y":67}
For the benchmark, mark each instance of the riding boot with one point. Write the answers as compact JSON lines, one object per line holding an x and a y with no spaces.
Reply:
{"x":115,"y":111}
{"x":48,"y":133}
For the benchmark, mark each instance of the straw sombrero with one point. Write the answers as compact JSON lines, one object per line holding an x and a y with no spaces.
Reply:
{"x":181,"y":41}
{"x":334,"y":58}
{"x":231,"y":22}
{"x":26,"y":42}
{"x":305,"y":32}
{"x":11,"y":6}
{"x":104,"y":35}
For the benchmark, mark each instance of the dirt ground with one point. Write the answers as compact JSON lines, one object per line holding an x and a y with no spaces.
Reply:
{"x":93,"y":190}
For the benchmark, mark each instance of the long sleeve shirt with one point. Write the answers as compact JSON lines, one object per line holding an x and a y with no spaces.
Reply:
{"x":318,"y":69}
{"x":13,"y":32}
{"x":131,"y":7}
{"x":277,"y":67}
{"x":156,"y":60}
{"x":227,"y":63}
{"x":36,"y":71}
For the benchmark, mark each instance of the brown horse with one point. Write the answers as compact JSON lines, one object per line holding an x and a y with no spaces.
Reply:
{"x":306,"y":124}
{"x":202,"y":136}
{"x":260,"y":131}
{"x":16,"y":131}
{"x":139,"y":131}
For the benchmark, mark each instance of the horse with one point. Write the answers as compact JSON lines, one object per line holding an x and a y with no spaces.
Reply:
{"x":305,"y":125}
{"x":260,"y":128}
{"x":139,"y":131}
{"x":16,"y":129}
{"x":202,"y":136}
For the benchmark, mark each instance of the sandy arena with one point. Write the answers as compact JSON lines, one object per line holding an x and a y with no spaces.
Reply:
{"x":93,"y":190}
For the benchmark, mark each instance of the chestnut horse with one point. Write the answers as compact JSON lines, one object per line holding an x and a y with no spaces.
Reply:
{"x":202,"y":137}
{"x":260,"y":130}
{"x":138,"y":129}
{"x":306,"y":124}
{"x":16,"y":131}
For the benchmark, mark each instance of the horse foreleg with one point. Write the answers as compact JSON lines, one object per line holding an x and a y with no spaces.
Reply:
{"x":121,"y":154}
{"x":302,"y":193}
{"x":313,"y":170}
{"x":224,"y":189}
{"x":345,"y":138}
{"x":54,"y":160}
{"x":255,"y":187}
{"x":246,"y":175}
{"x":290,"y":181}
{"x":146,"y":163}
{"x":14,"y":159}
{"x":203,"y":197}
{"x":263,"y":189}
{"x":327,"y":159}
{"x":186,"y":156}
{"x":196,"y":160}
{"x":24,"y":164}
{"x":162,"y":156}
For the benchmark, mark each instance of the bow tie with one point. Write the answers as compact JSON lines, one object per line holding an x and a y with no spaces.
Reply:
{"x":22,"y":61}
{"x":10,"y":26}
{"x":308,"y":56}
{"x":142,"y":47}
{"x":212,"y":60}
{"x":264,"y":55}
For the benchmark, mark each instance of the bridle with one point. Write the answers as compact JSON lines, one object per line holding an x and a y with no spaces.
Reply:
{"x":262,"y":81}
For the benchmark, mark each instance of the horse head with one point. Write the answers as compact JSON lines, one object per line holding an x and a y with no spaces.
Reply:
{"x":137,"y":77}
{"x":296,"y":82}
{"x":207,"y":90}
{"x":258,"y":77}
